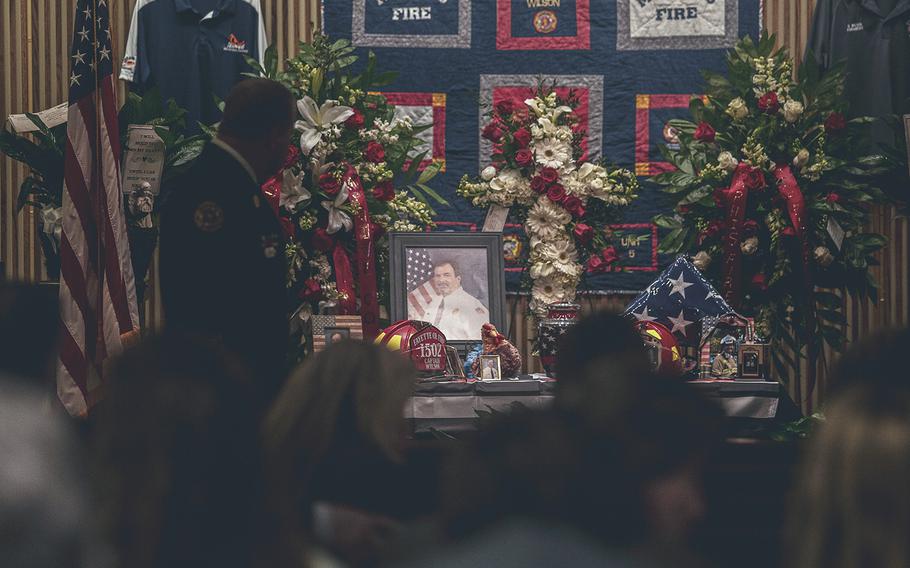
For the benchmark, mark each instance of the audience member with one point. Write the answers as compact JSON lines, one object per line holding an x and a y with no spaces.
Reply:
{"x":334,"y":442}
{"x":624,"y":472}
{"x":599,"y":360}
{"x":45,"y":515}
{"x":851,"y":505}
{"x":177,"y":457}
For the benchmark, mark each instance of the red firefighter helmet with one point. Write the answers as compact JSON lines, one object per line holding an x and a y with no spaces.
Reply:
{"x":663,"y":348}
{"x":423,"y":343}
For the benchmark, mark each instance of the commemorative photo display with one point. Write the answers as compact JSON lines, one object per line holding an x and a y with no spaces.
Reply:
{"x":451,"y":280}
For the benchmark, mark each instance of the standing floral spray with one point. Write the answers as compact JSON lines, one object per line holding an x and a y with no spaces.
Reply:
{"x":773,"y":197}
{"x":352,"y":173}
{"x":563,"y":200}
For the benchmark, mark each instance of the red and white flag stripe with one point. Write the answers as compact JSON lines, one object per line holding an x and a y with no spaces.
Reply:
{"x":97,"y":290}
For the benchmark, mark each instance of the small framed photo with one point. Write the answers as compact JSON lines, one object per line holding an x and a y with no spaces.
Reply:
{"x":455,"y":281}
{"x":490,"y":369}
{"x":752,"y":360}
{"x":329,"y":329}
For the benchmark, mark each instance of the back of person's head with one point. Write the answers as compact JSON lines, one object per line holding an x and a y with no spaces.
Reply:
{"x":544,"y":467}
{"x":44,"y":509}
{"x":602,"y":345}
{"x":29,"y":325}
{"x":256,"y":109}
{"x":177,"y":455}
{"x":876,"y":360}
{"x":852,"y":500}
{"x":350,"y":395}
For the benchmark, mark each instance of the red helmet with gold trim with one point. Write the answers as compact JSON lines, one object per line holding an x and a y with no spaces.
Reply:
{"x":666,"y":356}
{"x":422,"y":342}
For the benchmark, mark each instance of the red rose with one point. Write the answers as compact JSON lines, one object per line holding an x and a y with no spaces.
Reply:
{"x":768,"y":103}
{"x":329,"y":184}
{"x":683,"y":209}
{"x":832,"y":197}
{"x":835,"y":122}
{"x":384,"y":191}
{"x":583,"y":233}
{"x":750,"y":228}
{"x":375,"y":152}
{"x":760,"y":282}
{"x":556,"y":193}
{"x":322,"y":240}
{"x":549,"y":175}
{"x":524,"y":157}
{"x":522,"y":137}
{"x":292,"y":157}
{"x":754,"y":178}
{"x":312,"y":290}
{"x":492,"y":132}
{"x":505,"y":107}
{"x":596,"y":264}
{"x":788,"y":232}
{"x":355,"y":120}
{"x":573,"y":205}
{"x":538,"y":185}
{"x":609,"y":255}
{"x":705,"y":133}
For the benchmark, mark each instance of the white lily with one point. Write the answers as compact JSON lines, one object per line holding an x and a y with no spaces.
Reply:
{"x":338,"y":219}
{"x":536,"y":106}
{"x":292,"y":191}
{"x":316,"y":119}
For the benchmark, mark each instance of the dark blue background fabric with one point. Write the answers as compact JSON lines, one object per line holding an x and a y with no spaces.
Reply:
{"x":456,"y":72}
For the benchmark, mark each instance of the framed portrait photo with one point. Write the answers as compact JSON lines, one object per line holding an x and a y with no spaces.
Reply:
{"x":455,"y":281}
{"x":490,"y":368}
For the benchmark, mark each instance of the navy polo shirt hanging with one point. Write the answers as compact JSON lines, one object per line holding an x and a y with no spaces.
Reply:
{"x":873,"y":38}
{"x":193,"y":50}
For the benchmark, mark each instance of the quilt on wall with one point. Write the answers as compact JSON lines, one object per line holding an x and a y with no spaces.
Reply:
{"x":634,"y":63}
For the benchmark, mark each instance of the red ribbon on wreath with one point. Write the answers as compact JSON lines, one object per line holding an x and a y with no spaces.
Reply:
{"x":796,"y":209}
{"x":366,"y":261}
{"x":735,"y":199}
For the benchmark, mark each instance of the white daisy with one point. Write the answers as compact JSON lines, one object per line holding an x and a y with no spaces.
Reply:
{"x":552,"y":153}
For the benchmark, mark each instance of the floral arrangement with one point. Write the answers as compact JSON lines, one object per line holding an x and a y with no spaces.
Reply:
{"x":350,"y":176}
{"x":772,"y":197}
{"x":563,"y":200}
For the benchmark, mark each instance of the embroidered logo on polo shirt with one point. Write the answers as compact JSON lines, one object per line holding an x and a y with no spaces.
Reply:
{"x":855,"y":27}
{"x":234,"y":45}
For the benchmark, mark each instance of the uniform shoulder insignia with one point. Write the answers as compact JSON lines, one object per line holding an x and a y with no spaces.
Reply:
{"x":480,"y":310}
{"x":209,"y":216}
{"x":456,"y":310}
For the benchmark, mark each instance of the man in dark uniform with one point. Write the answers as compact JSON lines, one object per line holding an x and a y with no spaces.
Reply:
{"x":222,"y":255}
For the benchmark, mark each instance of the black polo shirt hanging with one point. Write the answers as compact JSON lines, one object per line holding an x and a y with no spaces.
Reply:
{"x":873,"y":37}
{"x":193,"y":50}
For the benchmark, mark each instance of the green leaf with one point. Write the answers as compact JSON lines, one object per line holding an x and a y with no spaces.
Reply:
{"x":429,"y":173}
{"x":439,"y":199}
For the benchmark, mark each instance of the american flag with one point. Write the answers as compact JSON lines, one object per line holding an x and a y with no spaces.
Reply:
{"x":419,"y":281}
{"x":679,"y":299}
{"x":98,"y":308}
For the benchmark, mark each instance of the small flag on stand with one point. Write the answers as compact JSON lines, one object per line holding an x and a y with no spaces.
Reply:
{"x":679,"y":299}
{"x":98,"y":308}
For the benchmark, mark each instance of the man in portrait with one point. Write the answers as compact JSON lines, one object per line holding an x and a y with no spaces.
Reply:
{"x":457,"y":314}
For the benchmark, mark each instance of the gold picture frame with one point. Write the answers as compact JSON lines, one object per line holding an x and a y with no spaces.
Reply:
{"x":490,"y":368}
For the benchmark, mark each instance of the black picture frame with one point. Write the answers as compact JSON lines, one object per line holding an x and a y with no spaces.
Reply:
{"x":491,"y":243}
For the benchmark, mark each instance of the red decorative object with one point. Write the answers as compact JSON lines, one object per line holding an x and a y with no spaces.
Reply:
{"x":495,"y":343}
{"x":665,"y":352}
{"x":422,"y":342}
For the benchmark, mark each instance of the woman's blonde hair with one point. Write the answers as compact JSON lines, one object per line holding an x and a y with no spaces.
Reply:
{"x":852,"y":500}
{"x":353,"y":388}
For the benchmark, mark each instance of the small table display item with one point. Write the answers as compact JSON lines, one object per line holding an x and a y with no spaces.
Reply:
{"x":419,"y":340}
{"x":495,"y":343}
{"x":490,"y":368}
{"x":560,"y":317}
{"x":329,"y":329}
{"x":753,"y":359}
{"x":731,"y":350}
{"x":663,"y":349}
